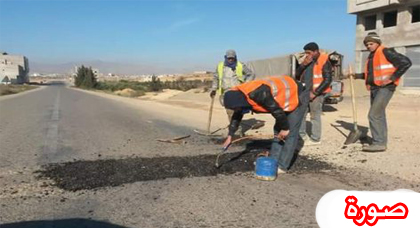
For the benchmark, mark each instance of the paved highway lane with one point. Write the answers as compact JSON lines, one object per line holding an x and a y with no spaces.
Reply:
{"x":59,"y":124}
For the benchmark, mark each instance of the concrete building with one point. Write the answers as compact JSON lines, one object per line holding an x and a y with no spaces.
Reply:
{"x":14,"y":69}
{"x":202,"y":72}
{"x":397,"y":22}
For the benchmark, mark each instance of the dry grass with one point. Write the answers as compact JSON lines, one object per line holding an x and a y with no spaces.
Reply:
{"x":12,"y":89}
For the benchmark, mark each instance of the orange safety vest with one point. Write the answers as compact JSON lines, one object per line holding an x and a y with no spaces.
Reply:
{"x":317,"y":72}
{"x":382,"y":68}
{"x":283,"y":88}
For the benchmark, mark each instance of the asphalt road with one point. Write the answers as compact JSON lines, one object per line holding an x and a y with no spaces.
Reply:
{"x":73,"y":159}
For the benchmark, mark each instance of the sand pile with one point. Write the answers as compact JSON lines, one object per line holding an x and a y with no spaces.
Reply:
{"x":163,"y":95}
{"x":126,"y":92}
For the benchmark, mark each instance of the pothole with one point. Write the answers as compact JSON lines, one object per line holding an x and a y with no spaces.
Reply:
{"x":79,"y":175}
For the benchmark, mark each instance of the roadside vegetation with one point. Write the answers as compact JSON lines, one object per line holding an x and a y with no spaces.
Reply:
{"x":86,"y":79}
{"x":12,"y":89}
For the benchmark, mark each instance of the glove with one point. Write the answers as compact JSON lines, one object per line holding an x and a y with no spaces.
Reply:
{"x":213,"y":93}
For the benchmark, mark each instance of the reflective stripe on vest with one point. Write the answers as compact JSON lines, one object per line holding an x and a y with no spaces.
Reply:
{"x":283,"y":88}
{"x":238,"y":71}
{"x":274,"y":89}
{"x":287,"y":94}
{"x":382,"y":68}
{"x":317,"y":72}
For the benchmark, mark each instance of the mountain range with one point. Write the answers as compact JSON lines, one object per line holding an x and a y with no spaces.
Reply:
{"x":106,"y":68}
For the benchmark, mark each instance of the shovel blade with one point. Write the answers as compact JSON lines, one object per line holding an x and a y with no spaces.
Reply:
{"x":353,"y":137}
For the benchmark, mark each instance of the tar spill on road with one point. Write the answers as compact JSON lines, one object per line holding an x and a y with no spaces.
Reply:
{"x":81,"y":175}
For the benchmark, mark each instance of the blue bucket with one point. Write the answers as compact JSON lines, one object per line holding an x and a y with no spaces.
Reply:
{"x":266,"y":168}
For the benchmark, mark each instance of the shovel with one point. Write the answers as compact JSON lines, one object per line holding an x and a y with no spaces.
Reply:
{"x":224,"y":149}
{"x":355,"y":133}
{"x":210,"y":114}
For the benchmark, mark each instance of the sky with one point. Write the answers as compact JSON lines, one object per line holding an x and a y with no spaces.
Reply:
{"x":181,"y":35}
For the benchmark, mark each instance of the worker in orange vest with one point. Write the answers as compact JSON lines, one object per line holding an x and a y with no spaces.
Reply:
{"x":383,"y":70}
{"x":279,"y":96}
{"x":316,"y":73}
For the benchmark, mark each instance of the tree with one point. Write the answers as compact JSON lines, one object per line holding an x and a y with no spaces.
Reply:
{"x":85,"y":78}
{"x":156,"y":84}
{"x":90,"y":79}
{"x":80,"y":76}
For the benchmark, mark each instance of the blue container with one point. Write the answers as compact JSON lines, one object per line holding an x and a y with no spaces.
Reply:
{"x":266,"y":168}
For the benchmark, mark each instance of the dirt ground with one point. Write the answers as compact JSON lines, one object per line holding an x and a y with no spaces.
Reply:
{"x":401,"y":160}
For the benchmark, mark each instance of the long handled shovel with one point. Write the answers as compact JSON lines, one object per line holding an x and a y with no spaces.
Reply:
{"x":208,"y":132}
{"x":356,"y":133}
{"x":210,"y":114}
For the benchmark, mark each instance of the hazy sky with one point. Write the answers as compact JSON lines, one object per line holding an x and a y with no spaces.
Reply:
{"x":171,"y":33}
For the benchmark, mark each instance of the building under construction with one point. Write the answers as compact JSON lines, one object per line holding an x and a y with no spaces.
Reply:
{"x":14,"y":69}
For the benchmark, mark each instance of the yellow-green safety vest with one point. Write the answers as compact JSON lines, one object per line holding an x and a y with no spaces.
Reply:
{"x":239,"y":73}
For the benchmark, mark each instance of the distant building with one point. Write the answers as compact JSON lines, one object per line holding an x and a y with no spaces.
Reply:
{"x":35,"y":75}
{"x":96,"y":72}
{"x":14,"y":69}
{"x":397,"y":22}
{"x":202,"y":72}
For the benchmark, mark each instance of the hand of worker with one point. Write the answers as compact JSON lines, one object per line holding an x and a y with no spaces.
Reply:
{"x":227,"y":142}
{"x":308,"y":59}
{"x":213,"y":93}
{"x":368,"y":87}
{"x":312,"y":96}
{"x":283,"y":134}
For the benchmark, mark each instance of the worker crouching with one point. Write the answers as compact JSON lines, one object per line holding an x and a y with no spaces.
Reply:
{"x":278,"y":96}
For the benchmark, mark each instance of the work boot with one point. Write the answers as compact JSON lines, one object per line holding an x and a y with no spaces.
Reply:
{"x":374,"y":148}
{"x":280,"y":171}
{"x":304,"y":137}
{"x":311,"y":142}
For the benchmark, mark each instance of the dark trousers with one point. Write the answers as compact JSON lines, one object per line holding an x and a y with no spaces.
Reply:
{"x":284,"y":151}
{"x":379,"y":99}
